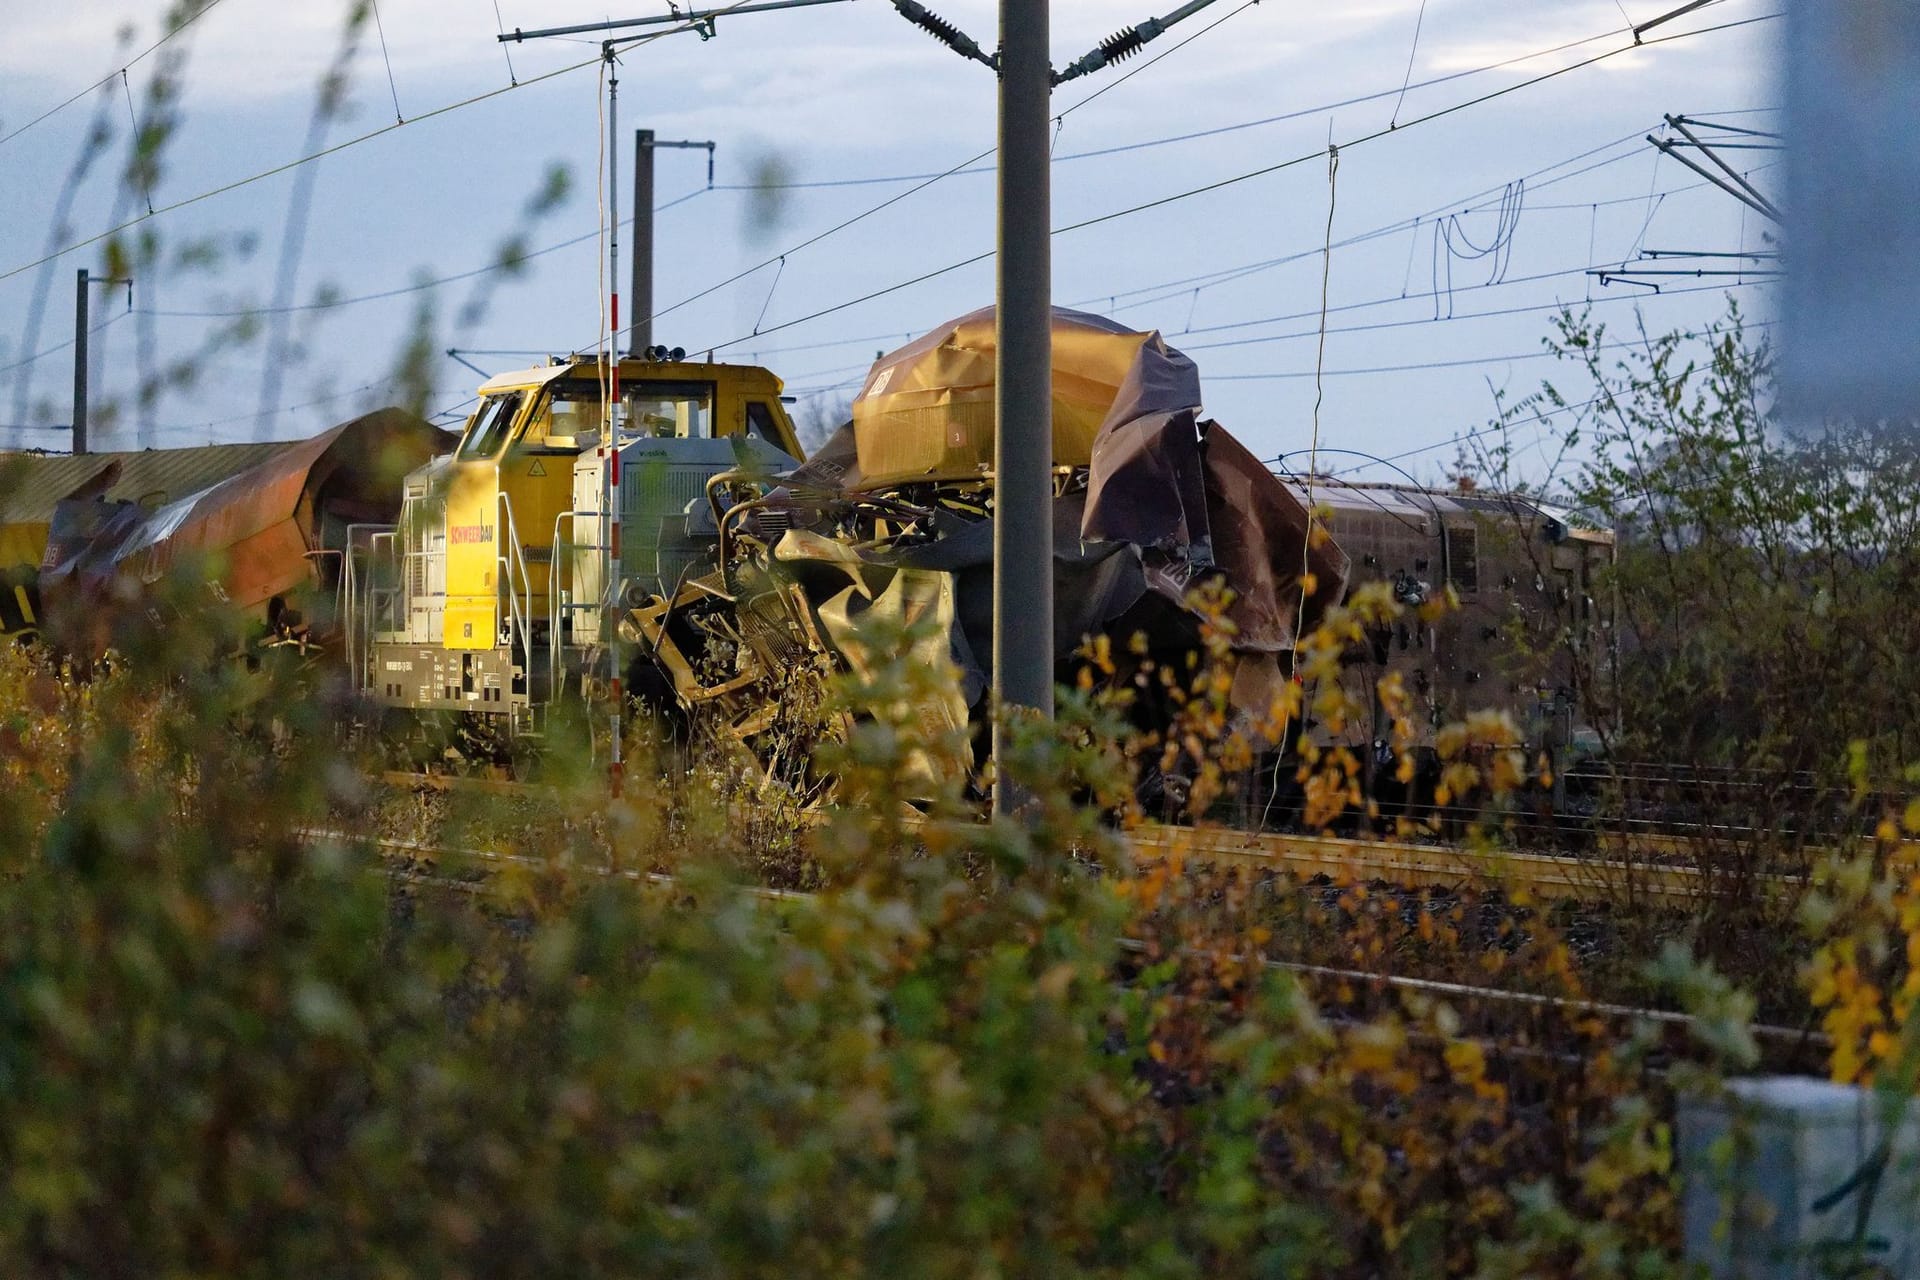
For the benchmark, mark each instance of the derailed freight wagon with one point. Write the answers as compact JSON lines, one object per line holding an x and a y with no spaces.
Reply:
{"x":33,"y":485}
{"x":894,"y":517}
{"x":264,"y":524}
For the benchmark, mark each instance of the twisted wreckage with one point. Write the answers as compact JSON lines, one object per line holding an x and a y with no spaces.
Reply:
{"x":893,"y":518}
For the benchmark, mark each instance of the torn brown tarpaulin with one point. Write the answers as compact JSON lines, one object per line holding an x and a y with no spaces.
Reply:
{"x":1195,"y":501}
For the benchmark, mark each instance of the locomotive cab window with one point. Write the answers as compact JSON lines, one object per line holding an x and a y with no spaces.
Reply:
{"x":491,"y":423}
{"x":669,"y":410}
{"x":568,"y":415}
{"x":760,"y":422}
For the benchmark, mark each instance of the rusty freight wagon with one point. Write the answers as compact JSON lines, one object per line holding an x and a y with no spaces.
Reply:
{"x":264,"y":523}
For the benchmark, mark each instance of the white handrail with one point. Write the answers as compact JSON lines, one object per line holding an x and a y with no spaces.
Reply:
{"x":349,"y":591}
{"x":351,"y":622}
{"x":522,"y":610}
{"x":382,"y":545}
{"x":557,"y":611}
{"x":517,"y":623}
{"x":398,"y":565}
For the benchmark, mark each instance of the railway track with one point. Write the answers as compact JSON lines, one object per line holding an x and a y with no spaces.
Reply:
{"x":1545,"y":876}
{"x":456,"y":783}
{"x":420,"y":863}
{"x":1632,"y":868}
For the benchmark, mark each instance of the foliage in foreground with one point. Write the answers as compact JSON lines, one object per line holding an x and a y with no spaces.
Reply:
{"x":231,"y":1043}
{"x":235,"y":1041}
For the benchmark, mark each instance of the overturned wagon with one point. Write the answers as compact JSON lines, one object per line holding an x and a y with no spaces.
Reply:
{"x":263,"y":524}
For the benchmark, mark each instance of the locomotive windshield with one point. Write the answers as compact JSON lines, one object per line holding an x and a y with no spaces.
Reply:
{"x":491,"y":423}
{"x":570,"y":410}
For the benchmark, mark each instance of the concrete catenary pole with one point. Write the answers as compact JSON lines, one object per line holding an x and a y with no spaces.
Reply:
{"x":80,"y":365}
{"x":1023,"y":384}
{"x":640,"y":301}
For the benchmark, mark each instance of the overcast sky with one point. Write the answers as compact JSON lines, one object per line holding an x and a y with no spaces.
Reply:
{"x":850,"y":94}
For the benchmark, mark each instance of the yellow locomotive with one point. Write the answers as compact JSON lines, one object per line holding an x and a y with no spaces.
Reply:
{"x":570,"y":495}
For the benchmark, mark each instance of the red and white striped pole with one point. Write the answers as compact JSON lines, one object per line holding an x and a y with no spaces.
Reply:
{"x":610,"y":484}
{"x":613,"y":550}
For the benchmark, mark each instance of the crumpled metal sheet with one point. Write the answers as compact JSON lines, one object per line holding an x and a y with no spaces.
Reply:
{"x":1094,"y":583}
{"x":33,"y":484}
{"x":832,"y":468}
{"x":892,"y":518}
{"x":1178,"y":495}
{"x":84,"y":539}
{"x":920,"y":606}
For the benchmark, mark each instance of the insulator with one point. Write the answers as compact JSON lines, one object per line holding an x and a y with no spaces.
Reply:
{"x":940,"y":29}
{"x":1122,"y":44}
{"x":932,"y":23}
{"x":943,"y":31}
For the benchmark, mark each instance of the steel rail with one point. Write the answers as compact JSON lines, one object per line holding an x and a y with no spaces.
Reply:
{"x":1660,"y":875}
{"x":1552,"y":877}
{"x":433,"y":854}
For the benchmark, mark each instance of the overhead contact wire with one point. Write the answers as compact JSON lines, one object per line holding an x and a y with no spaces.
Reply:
{"x":290,"y":165}
{"x":1464,"y":363}
{"x":1381,"y":133}
{"x":506,"y":47}
{"x":321,"y":154}
{"x":1528,"y":309}
{"x":812,"y":240}
{"x":134,"y":61}
{"x":1319,"y":389}
{"x":381,"y":30}
{"x":133,"y":134}
{"x":421,"y":286}
{"x":1465,"y":204}
{"x":1418,"y":21}
{"x":939,"y":177}
{"x":1233,"y":181}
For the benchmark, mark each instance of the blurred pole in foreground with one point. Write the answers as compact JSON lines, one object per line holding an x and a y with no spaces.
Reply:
{"x":1023,"y":381}
{"x":1851,"y":305}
